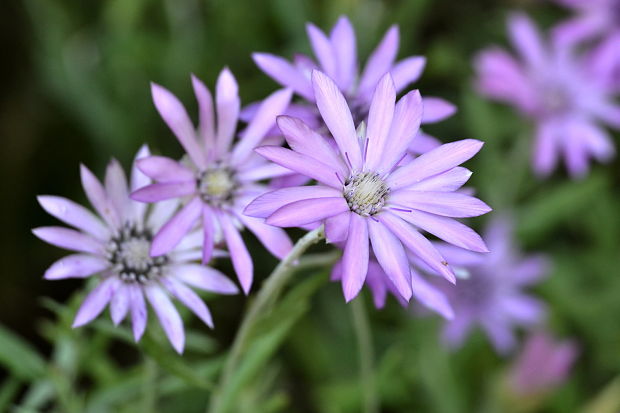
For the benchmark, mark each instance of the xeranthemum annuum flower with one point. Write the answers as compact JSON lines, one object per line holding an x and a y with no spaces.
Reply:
{"x":114,"y":248}
{"x":363,"y":191}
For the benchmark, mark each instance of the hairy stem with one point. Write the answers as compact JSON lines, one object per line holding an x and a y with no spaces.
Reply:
{"x":364,"y":341}
{"x":264,"y":299}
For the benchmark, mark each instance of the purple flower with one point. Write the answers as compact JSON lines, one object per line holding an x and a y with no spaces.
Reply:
{"x":566,"y":96}
{"x":114,"y":247}
{"x":543,"y":364}
{"x":336,"y":56}
{"x":489,"y":291}
{"x":595,"y":18}
{"x":363,"y":192}
{"x":215,"y":181}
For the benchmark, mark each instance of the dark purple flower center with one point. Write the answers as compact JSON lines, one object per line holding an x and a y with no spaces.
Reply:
{"x":365,"y":193}
{"x":128,"y":253}
{"x":217,"y":185}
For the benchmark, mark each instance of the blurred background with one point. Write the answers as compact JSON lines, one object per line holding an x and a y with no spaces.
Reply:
{"x":75,"y":88}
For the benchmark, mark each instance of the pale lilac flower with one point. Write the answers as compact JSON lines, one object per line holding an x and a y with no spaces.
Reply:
{"x":594,"y":19}
{"x":568,"y":97}
{"x":489,"y":292}
{"x":217,"y":179}
{"x":364,"y":194}
{"x":114,"y":248}
{"x":543,"y":364}
{"x":336,"y":56}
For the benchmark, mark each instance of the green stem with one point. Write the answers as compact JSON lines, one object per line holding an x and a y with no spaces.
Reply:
{"x":364,"y":341}
{"x":264,"y":299}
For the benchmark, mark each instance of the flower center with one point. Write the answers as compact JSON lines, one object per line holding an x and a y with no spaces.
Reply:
{"x":556,"y":99}
{"x":217,"y":185}
{"x":365,"y":193}
{"x":128,"y":253}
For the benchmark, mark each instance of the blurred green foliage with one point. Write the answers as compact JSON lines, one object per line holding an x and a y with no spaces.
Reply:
{"x":77,"y":90}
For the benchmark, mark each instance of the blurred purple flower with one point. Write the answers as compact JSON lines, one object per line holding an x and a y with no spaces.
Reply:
{"x":215,"y":181}
{"x":337,"y":57}
{"x":116,"y":245}
{"x":542,"y":365}
{"x":363,"y":192}
{"x":595,"y":19}
{"x":566,"y":96}
{"x":489,"y":292}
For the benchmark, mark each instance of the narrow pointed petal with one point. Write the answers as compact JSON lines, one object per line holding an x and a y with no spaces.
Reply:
{"x":502,"y":338}
{"x":69,"y":239}
{"x":456,"y":330}
{"x":174,"y":114}
{"x":430,"y":296}
{"x":168,"y":316}
{"x":98,"y":198}
{"x":205,"y":278}
{"x":355,"y":258}
{"x":285,"y":74}
{"x":545,"y":154}
{"x":526,"y":38}
{"x":137,"y":307}
{"x":160,"y":213}
{"x":437,"y":109}
{"x":307,"y":211}
{"x":337,"y":227}
{"x":268,"y":203}
{"x":434,"y":162}
{"x":76,"y":266}
{"x":267,"y":171}
{"x":116,"y":187}
{"x":163,"y":169}
{"x":206,"y":119}
{"x":96,"y":301}
{"x":164,"y":191}
{"x":380,"y":61}
{"x":337,"y":117}
{"x":407,"y":71}
{"x":344,"y":45}
{"x":378,"y":288}
{"x":242,"y":262}
{"x":391,"y":256}
{"x":175,"y":229}
{"x":274,"y":239}
{"x":119,"y":304}
{"x":322,"y":48}
{"x":189,"y":298}
{"x":137,"y":181}
{"x":228,"y":105}
{"x":75,"y":215}
{"x":448,"y":181}
{"x":380,"y":120}
{"x":449,"y":204}
{"x":208,"y":233}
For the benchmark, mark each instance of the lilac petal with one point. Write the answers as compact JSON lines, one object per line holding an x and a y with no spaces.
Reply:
{"x":337,"y":116}
{"x":189,"y":298}
{"x":322,"y":48}
{"x":546,"y":150}
{"x":523,"y":309}
{"x":500,"y":334}
{"x":163,"y":169}
{"x":76,"y":266}
{"x":228,"y":105}
{"x":407,"y":71}
{"x":609,"y":113}
{"x":302,"y":139}
{"x":337,"y":227}
{"x":376,"y":283}
{"x":391,"y":256}
{"x":266,"y":171}
{"x":137,"y":307}
{"x":242,"y":262}
{"x":69,"y":239}
{"x":206,"y":123}
{"x":96,"y":301}
{"x":418,"y":244}
{"x":431,"y":296}
{"x":173,"y":113}
{"x":274,"y":239}
{"x":74,"y":214}
{"x":302,"y":164}
{"x":459,"y":257}
{"x":531,"y":270}
{"x":423,"y":143}
{"x":447,"y":229}
{"x":168,"y":316}
{"x":526,"y":39}
{"x":139,"y":180}
{"x":437,"y":109}
{"x":450,"y":204}
{"x":160,"y":213}
{"x":405,"y":126}
{"x":575,"y":154}
{"x":208,"y":233}
{"x":268,"y":203}
{"x":116,"y":187}
{"x":456,"y":330}
{"x":355,"y":258}
{"x":175,"y":229}
{"x":380,"y":61}
{"x":380,"y":121}
{"x":434,"y":162}
{"x":265,"y":118}
{"x":98,"y":198}
{"x":603,"y":65}
{"x":164,"y":191}
{"x":448,"y":181}
{"x":119,"y":304}
{"x":597,"y":141}
{"x":285,"y":74}
{"x":307,"y":211}
{"x":205,"y":278}
{"x":344,"y":45}
{"x":572,"y":31}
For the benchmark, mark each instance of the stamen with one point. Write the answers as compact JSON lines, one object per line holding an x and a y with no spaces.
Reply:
{"x":400,"y":209}
{"x":346,"y":155}
{"x":365,"y":193}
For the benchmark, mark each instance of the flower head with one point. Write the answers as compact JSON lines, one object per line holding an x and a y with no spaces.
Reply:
{"x":567,"y":96}
{"x":218,"y":178}
{"x":489,"y":292}
{"x":364,"y":193}
{"x":114,"y":247}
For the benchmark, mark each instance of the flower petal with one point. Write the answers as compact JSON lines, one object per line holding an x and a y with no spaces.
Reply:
{"x":322,"y":48}
{"x":268,"y":203}
{"x":163,"y":169}
{"x":342,"y":38}
{"x":242,"y":262}
{"x":431,"y":296}
{"x":96,"y":301}
{"x":355,"y":258}
{"x":205,"y":278}
{"x":380,"y":61}
{"x":164,"y":191}
{"x":119,"y":304}
{"x":448,"y":181}
{"x":407,"y":71}
{"x":98,"y":198}
{"x":437,"y":109}
{"x":449,"y":204}
{"x":138,"y":180}
{"x":307,"y":211}
{"x":337,"y":227}
{"x":206,"y":123}
{"x":69,"y":239}
{"x":139,"y":315}
{"x":174,"y":230}
{"x":76,"y":266}
{"x":285,"y":74}
{"x":116,"y":188}
{"x":526,"y":38}
{"x":273,"y":238}
{"x":379,"y":121}
{"x":168,"y":316}
{"x":75,"y":215}
{"x":208,"y":233}
{"x":228,"y":105}
{"x":189,"y":298}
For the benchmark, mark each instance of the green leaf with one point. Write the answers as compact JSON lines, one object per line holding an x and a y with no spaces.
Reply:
{"x":19,"y":357}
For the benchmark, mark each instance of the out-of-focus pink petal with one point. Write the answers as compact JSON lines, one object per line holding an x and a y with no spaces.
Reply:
{"x":285,"y":74}
{"x":380,"y":61}
{"x":407,"y":71}
{"x":344,"y":45}
{"x":437,"y":109}
{"x":322,"y":48}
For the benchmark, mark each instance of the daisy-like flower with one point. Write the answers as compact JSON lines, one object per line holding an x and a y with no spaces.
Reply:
{"x":114,"y":248}
{"x":489,"y":291}
{"x":336,"y":56}
{"x":566,"y":96}
{"x":595,"y":18}
{"x":364,"y":194}
{"x":215,"y":181}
